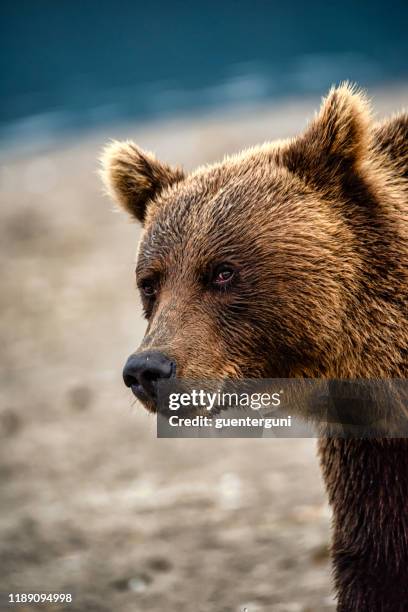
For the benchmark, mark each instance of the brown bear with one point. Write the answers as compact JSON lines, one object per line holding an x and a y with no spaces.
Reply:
{"x":289,"y":260}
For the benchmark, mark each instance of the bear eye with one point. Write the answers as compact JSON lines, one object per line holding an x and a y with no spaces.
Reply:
{"x":148,"y":287}
{"x":222,"y":275}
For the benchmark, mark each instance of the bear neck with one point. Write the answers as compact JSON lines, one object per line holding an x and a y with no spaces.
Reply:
{"x":367,"y":484}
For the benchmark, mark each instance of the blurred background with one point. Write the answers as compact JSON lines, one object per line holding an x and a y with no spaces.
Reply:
{"x":91,"y":502}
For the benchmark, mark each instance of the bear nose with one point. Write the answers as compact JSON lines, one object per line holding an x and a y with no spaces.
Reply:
{"x":142,"y":371}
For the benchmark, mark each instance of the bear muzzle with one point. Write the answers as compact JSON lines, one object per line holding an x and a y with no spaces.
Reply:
{"x":142,"y":372}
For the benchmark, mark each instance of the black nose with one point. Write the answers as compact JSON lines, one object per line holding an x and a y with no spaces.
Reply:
{"x":143,"y":370}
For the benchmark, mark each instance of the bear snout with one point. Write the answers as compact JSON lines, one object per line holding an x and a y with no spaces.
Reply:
{"x":142,"y":372}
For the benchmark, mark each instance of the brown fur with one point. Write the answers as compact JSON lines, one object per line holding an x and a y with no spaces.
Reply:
{"x":316,"y":229}
{"x":133,"y":177}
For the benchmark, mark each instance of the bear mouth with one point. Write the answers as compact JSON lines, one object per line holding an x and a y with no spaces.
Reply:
{"x":140,"y":394}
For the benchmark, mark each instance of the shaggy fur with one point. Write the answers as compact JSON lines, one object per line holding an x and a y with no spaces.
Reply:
{"x":316,"y":230}
{"x":133,"y":177}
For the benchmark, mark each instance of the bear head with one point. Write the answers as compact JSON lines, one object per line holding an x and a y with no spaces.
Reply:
{"x":248,"y":268}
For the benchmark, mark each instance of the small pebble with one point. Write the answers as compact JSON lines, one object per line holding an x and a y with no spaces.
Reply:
{"x":138,"y":584}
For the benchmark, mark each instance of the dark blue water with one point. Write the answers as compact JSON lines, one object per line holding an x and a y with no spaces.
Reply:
{"x":69,"y":65}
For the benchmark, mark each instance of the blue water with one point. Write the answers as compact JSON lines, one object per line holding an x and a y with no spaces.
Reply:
{"x":70,"y":65}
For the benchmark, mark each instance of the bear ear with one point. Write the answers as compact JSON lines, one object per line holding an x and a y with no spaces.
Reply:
{"x":133,"y":177}
{"x":336,"y":142}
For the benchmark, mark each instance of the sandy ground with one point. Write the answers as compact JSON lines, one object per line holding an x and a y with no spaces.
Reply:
{"x":91,"y":502}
